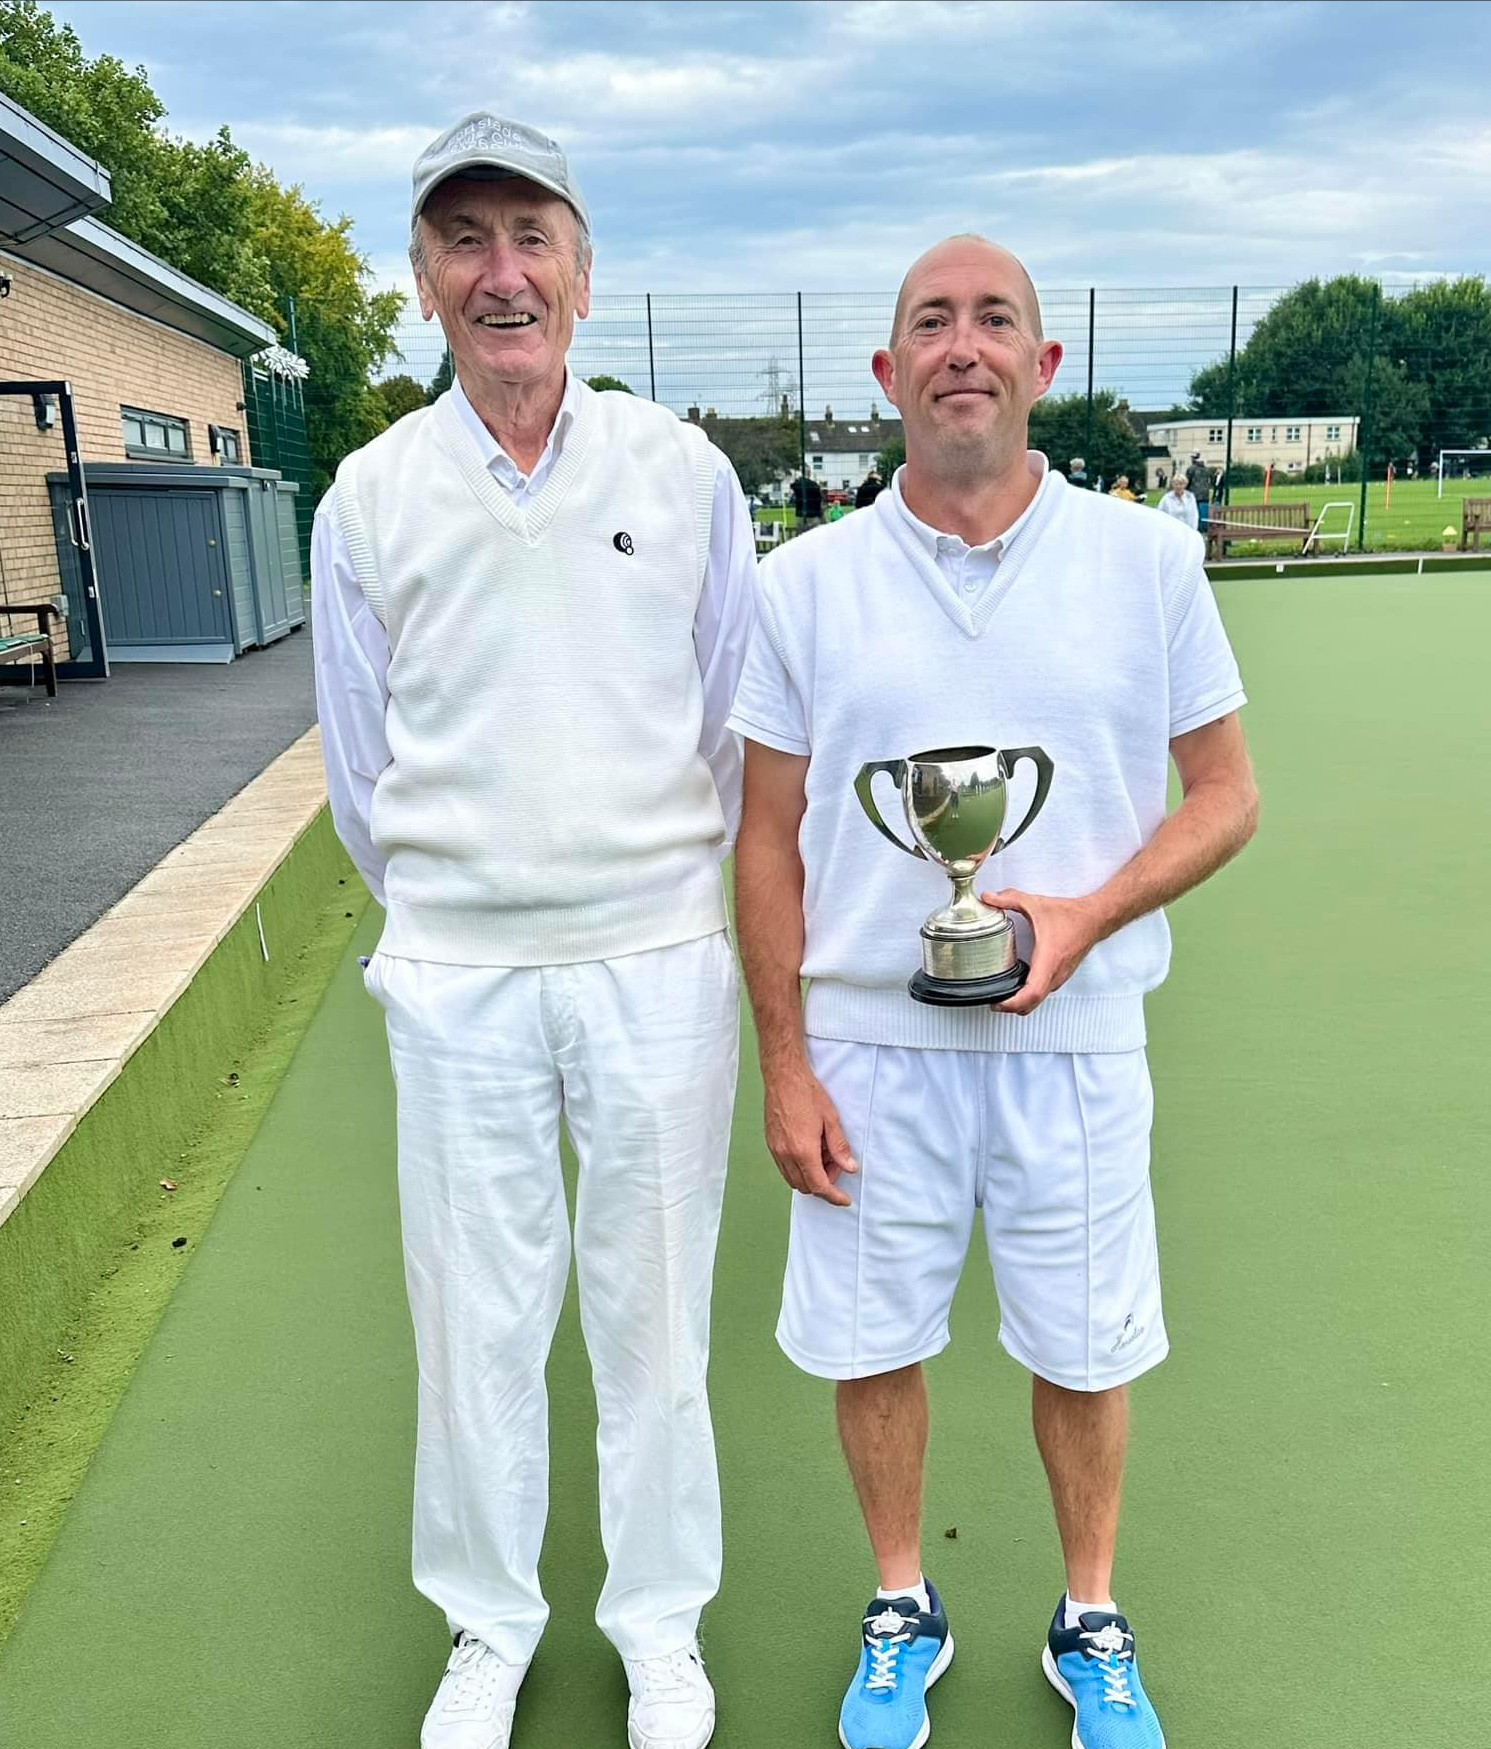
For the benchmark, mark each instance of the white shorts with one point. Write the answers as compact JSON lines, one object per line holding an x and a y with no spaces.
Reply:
{"x":1053,"y":1147}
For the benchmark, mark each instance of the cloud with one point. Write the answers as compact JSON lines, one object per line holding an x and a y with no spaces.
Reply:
{"x":728,"y":147}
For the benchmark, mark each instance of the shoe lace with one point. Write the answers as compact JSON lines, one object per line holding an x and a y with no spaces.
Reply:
{"x":1113,"y":1652}
{"x":667,"y":1678}
{"x":476,"y":1674}
{"x":886,"y":1636}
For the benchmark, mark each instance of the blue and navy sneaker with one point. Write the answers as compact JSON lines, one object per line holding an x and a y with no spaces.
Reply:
{"x":1093,"y":1668}
{"x":905,"y":1651}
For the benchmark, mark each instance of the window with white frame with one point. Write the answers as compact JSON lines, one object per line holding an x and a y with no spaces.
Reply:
{"x":152,"y":436}
{"x":1215,"y":434}
{"x":1333,"y":434}
{"x":1291,"y":434}
{"x":1255,"y":434}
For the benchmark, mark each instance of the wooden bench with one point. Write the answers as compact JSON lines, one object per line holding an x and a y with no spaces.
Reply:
{"x":1233,"y":522}
{"x":24,"y":646}
{"x":1475,"y":520}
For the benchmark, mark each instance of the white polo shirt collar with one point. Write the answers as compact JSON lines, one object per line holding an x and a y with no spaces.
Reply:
{"x":503,"y":469}
{"x":943,"y":547}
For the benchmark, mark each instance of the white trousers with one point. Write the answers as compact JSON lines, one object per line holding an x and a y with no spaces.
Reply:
{"x":638,"y":1055}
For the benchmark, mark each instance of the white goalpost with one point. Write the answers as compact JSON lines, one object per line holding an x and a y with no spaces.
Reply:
{"x":1484,"y":455}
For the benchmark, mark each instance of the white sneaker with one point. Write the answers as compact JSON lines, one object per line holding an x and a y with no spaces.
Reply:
{"x":473,"y":1706}
{"x":672,"y":1704}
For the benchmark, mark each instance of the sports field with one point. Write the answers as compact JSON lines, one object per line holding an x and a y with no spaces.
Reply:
{"x":1305,"y":1536}
{"x":1412,"y":519}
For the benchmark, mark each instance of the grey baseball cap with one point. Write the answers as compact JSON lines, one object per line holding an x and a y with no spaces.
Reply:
{"x":483,"y":145}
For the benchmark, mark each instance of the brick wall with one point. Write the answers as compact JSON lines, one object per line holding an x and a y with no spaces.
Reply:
{"x":113,"y":358}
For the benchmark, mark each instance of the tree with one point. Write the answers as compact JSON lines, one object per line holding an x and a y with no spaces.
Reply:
{"x":399,"y":395}
{"x":761,"y":451}
{"x":106,"y":110}
{"x":209,"y":211}
{"x":1440,"y":335}
{"x":1400,"y":409}
{"x":605,"y":382}
{"x":1209,"y":393}
{"x":890,"y":458}
{"x":343,"y":330}
{"x":1431,"y":362}
{"x":1059,"y":427}
{"x":443,"y":377}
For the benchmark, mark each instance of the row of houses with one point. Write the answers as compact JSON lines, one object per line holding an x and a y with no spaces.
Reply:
{"x":840,"y":453}
{"x":129,"y":393}
{"x":1287,"y":445}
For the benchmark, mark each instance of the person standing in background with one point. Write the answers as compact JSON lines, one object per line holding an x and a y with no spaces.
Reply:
{"x":1179,"y":501}
{"x":1198,"y":481}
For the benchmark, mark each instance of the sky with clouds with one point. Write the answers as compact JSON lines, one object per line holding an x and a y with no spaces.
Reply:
{"x":725,"y":146}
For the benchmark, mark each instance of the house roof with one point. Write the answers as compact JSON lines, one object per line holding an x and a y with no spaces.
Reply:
{"x":47,"y":190}
{"x":45,"y":181}
{"x":91,"y":254}
{"x":850,"y":436}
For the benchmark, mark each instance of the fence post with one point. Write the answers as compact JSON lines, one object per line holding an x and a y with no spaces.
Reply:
{"x":1231,"y":408}
{"x":1364,"y":447}
{"x":802,"y":400}
{"x":651,"y":363}
{"x":1092,"y":311}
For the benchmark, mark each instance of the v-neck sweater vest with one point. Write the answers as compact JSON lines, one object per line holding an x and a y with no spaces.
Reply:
{"x":546,"y":801}
{"x":1066,"y":649}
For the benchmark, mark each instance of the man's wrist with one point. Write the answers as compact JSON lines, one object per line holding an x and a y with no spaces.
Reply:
{"x":1103,"y":912}
{"x":786,"y":1055}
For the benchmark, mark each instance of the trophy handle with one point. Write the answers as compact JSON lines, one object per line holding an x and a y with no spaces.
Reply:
{"x":1012,"y":756}
{"x":897,"y":769}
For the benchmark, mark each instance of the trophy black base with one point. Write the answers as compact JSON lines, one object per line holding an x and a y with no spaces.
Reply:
{"x":968,"y":992}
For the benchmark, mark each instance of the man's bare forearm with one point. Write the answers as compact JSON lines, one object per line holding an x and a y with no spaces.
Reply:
{"x":1212,"y":823}
{"x":768,"y":918}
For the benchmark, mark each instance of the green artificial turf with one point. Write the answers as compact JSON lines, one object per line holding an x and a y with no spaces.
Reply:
{"x":1303,"y":1523}
{"x":91,"y":1256}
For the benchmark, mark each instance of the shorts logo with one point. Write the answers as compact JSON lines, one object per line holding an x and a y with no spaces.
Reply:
{"x":622,"y":541}
{"x":1131,"y":1332}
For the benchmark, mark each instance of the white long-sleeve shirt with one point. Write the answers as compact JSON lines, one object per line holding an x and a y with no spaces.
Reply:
{"x":352,"y":651}
{"x":1182,"y":506}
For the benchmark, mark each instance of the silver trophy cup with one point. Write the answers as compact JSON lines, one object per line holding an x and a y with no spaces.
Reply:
{"x":954,"y":800}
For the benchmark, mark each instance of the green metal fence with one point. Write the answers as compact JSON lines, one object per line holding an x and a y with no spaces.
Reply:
{"x":274,"y":407}
{"x":1346,"y":393}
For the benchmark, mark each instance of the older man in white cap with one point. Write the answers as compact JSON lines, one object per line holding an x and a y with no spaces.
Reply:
{"x":531,"y":607}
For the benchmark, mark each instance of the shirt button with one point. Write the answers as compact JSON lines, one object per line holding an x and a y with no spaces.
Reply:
{"x":970,"y":587}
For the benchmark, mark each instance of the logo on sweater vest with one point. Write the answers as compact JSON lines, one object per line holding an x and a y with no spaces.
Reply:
{"x":622,"y":541}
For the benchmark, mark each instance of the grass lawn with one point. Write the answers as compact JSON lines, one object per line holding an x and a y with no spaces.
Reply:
{"x":1412,"y":522}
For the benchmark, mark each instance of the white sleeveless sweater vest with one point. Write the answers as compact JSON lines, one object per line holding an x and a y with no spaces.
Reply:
{"x":546,"y":801}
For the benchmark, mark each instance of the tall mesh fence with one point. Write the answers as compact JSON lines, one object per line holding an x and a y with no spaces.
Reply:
{"x":274,"y":411}
{"x":1329,"y":416}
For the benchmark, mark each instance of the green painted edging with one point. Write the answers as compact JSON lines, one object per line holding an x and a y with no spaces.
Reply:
{"x":100,"y":1200}
{"x":1355,"y":564}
